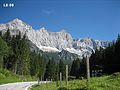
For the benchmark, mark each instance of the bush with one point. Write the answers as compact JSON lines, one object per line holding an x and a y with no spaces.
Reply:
{"x":114,"y":75}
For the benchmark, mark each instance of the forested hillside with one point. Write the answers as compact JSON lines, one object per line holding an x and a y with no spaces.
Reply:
{"x":107,"y":59}
{"x":16,"y":56}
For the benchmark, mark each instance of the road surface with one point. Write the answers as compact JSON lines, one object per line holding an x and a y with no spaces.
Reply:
{"x":18,"y":85}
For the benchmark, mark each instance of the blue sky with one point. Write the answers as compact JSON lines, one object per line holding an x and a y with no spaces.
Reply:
{"x":98,"y":19}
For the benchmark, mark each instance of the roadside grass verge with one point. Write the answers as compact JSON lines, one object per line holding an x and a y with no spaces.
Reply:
{"x":111,"y":82}
{"x":9,"y":77}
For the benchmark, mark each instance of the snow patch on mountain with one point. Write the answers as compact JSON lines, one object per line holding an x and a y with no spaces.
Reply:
{"x":48,"y":49}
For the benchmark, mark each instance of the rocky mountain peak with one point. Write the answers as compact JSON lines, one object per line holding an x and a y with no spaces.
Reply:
{"x":43,"y":29}
{"x":17,"y":22}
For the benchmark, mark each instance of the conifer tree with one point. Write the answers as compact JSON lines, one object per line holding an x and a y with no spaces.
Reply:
{"x":75,"y":68}
{"x":7,"y":37}
{"x":24,"y":56}
{"x":62,"y":68}
{"x":50,"y":70}
{"x":3,"y":51}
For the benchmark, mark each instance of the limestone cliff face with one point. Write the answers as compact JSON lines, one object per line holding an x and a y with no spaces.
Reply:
{"x":53,"y":41}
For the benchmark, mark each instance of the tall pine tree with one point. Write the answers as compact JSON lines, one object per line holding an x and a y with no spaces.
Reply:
{"x":3,"y":51}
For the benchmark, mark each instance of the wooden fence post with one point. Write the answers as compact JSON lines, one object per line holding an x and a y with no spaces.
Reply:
{"x":60,"y":79}
{"x":66,"y":75}
{"x":88,"y":71}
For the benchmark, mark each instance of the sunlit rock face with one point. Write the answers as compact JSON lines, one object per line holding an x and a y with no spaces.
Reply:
{"x":60,"y":42}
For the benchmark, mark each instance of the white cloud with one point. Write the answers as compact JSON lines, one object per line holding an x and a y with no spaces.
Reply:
{"x":48,"y":12}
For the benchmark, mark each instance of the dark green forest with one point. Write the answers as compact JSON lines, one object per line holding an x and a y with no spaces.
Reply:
{"x":16,"y":56}
{"x":107,"y":59}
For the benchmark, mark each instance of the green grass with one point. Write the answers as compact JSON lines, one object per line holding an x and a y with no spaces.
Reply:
{"x":111,"y":82}
{"x":9,"y":77}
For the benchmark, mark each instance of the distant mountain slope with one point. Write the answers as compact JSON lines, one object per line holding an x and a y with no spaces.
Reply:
{"x":55,"y":42}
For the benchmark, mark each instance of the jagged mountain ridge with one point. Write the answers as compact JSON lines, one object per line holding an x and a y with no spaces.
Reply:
{"x":53,"y":41}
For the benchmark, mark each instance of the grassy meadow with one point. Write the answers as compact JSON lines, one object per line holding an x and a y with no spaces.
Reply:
{"x":9,"y":77}
{"x":111,"y":82}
